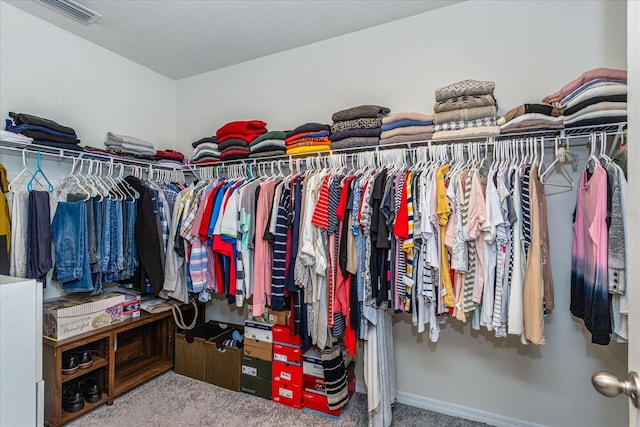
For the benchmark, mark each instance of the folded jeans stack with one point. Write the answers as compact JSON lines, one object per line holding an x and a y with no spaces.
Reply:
{"x":268,"y":144}
{"x":465,"y":109}
{"x":357,"y":127}
{"x":234,"y":138}
{"x":598,"y":96}
{"x":206,"y":150}
{"x":406,"y":127}
{"x":43,"y":131}
{"x":129,"y":146}
{"x":308,"y":138}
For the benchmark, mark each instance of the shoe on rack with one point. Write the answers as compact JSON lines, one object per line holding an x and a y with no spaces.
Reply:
{"x":90,"y":390}
{"x":72,"y":400}
{"x":69,"y":364}
{"x":84,"y":359}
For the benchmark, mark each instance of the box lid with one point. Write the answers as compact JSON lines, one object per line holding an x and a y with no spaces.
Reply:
{"x":80,"y":305}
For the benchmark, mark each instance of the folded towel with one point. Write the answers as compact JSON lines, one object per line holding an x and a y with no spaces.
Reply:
{"x":464,"y":125}
{"x":308,"y":127}
{"x":398,"y":139}
{"x":310,"y":149}
{"x":360,"y":112}
{"x":355,"y":132}
{"x":409,"y":130}
{"x":274,"y":134}
{"x":465,"y":114}
{"x":546,"y":109}
{"x":465,"y":88}
{"x":128,"y":140}
{"x":597,"y":73}
{"x":207,"y":139}
{"x":467,"y":101}
{"x":355,"y":142}
{"x":28,"y":119}
{"x":368,"y":123}
{"x":9,"y":136}
{"x":596,"y":91}
{"x":472,"y":132}
{"x":407,"y":116}
{"x":405,"y":123}
{"x":271,"y":153}
{"x":242,"y":127}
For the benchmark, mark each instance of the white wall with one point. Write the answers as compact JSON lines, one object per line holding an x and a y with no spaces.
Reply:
{"x":52,"y":73}
{"x":530,"y":49}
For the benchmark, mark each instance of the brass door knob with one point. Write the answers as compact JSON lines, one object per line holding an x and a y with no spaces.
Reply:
{"x":610,"y":385}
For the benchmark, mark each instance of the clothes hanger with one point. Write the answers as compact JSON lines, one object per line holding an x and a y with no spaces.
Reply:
{"x":592,"y":160}
{"x":557,"y":164}
{"x":603,"y":149}
{"x":39,"y":172}
{"x":24,"y":170}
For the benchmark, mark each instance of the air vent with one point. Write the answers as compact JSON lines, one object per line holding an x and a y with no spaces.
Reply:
{"x":72,"y":10}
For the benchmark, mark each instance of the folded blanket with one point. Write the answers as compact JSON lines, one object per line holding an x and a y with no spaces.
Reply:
{"x":205,"y":140}
{"x":28,"y":119}
{"x":130,"y":140}
{"x":65,"y":146}
{"x":596,"y":91}
{"x":308,"y":127}
{"x":461,"y":102}
{"x":529,"y":125}
{"x":598,"y":83}
{"x":271,"y":153}
{"x":268,"y":145}
{"x":600,"y":106}
{"x":206,"y":146}
{"x":472,"y":132}
{"x":409,"y":130}
{"x":464,"y":125}
{"x":310,"y":149}
{"x":405,"y":123}
{"x":355,"y":142}
{"x":466,"y":114}
{"x":232,"y":142}
{"x":424,"y":136}
{"x":306,"y":135}
{"x":242,"y":127}
{"x":407,"y":116}
{"x":359,"y":112}
{"x":591,"y":101}
{"x":465,"y":88}
{"x":274,"y":134}
{"x":548,"y":110}
{"x":9,"y":136}
{"x":368,"y":123}
{"x":597,"y":73}
{"x":355,"y":132}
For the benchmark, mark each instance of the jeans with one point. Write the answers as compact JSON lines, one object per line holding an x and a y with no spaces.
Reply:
{"x":70,"y":234}
{"x":39,"y":253}
{"x":106,"y":235}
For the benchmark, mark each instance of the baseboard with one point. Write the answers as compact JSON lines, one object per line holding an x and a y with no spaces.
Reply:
{"x":453,"y":409}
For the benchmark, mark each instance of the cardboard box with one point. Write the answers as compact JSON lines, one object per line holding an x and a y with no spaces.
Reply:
{"x":190,"y":350}
{"x":311,"y":363}
{"x":257,"y":368}
{"x":279,"y":317}
{"x":264,"y":318}
{"x":258,"y":331}
{"x":131,"y":306}
{"x":282,"y":335}
{"x":284,"y":353}
{"x":287,"y":372}
{"x":255,"y":386}
{"x":75,"y":314}
{"x":316,"y":384}
{"x":223,"y":364}
{"x":286,"y":393}
{"x":318,"y":403}
{"x":258,"y":349}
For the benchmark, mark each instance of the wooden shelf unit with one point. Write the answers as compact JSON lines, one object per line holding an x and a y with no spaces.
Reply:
{"x":125,"y":355}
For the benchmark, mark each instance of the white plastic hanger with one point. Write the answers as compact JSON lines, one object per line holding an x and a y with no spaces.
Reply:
{"x":557,"y":164}
{"x":25,"y":169}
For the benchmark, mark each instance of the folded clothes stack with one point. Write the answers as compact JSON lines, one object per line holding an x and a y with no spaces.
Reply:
{"x":268,"y":144}
{"x":43,"y":131}
{"x":206,"y":150}
{"x":406,"y":127}
{"x":597,"y":97}
{"x":170,"y":156}
{"x":465,"y":109}
{"x":529,"y":117}
{"x":234,"y":138}
{"x":357,"y":127}
{"x":308,"y":138}
{"x":129,"y":146}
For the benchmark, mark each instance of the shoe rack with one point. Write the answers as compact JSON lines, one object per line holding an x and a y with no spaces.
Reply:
{"x":124,"y":356}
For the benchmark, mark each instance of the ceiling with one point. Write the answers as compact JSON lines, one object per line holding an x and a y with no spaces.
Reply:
{"x":182,"y":38}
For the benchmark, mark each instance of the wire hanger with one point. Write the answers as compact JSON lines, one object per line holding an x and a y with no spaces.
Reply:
{"x":39,"y":171}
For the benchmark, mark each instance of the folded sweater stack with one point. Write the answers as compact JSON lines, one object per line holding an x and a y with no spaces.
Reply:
{"x":268,"y":144}
{"x":597,"y":97}
{"x":43,"y":131}
{"x":308,"y":138}
{"x":465,"y":109}
{"x":530,"y":117}
{"x":129,"y":146}
{"x":357,"y":127}
{"x":234,"y":138}
{"x":205,"y":150}
{"x":406,"y":127}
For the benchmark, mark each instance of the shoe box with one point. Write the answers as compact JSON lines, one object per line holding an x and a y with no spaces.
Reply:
{"x":223,"y":360}
{"x":314,"y":393}
{"x":287,"y":367}
{"x":256,"y":377}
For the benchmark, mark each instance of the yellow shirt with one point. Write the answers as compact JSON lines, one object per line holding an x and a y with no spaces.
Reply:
{"x":443,"y":210}
{"x":5,"y":221}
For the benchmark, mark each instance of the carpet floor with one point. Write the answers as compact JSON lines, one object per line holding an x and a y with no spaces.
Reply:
{"x":176,"y":400}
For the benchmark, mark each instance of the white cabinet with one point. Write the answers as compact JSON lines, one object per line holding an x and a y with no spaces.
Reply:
{"x":21,"y":385}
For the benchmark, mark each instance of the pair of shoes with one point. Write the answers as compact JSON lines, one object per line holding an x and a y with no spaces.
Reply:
{"x":74,"y":360}
{"x":72,"y":400}
{"x":84,"y":359}
{"x":90,"y":390}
